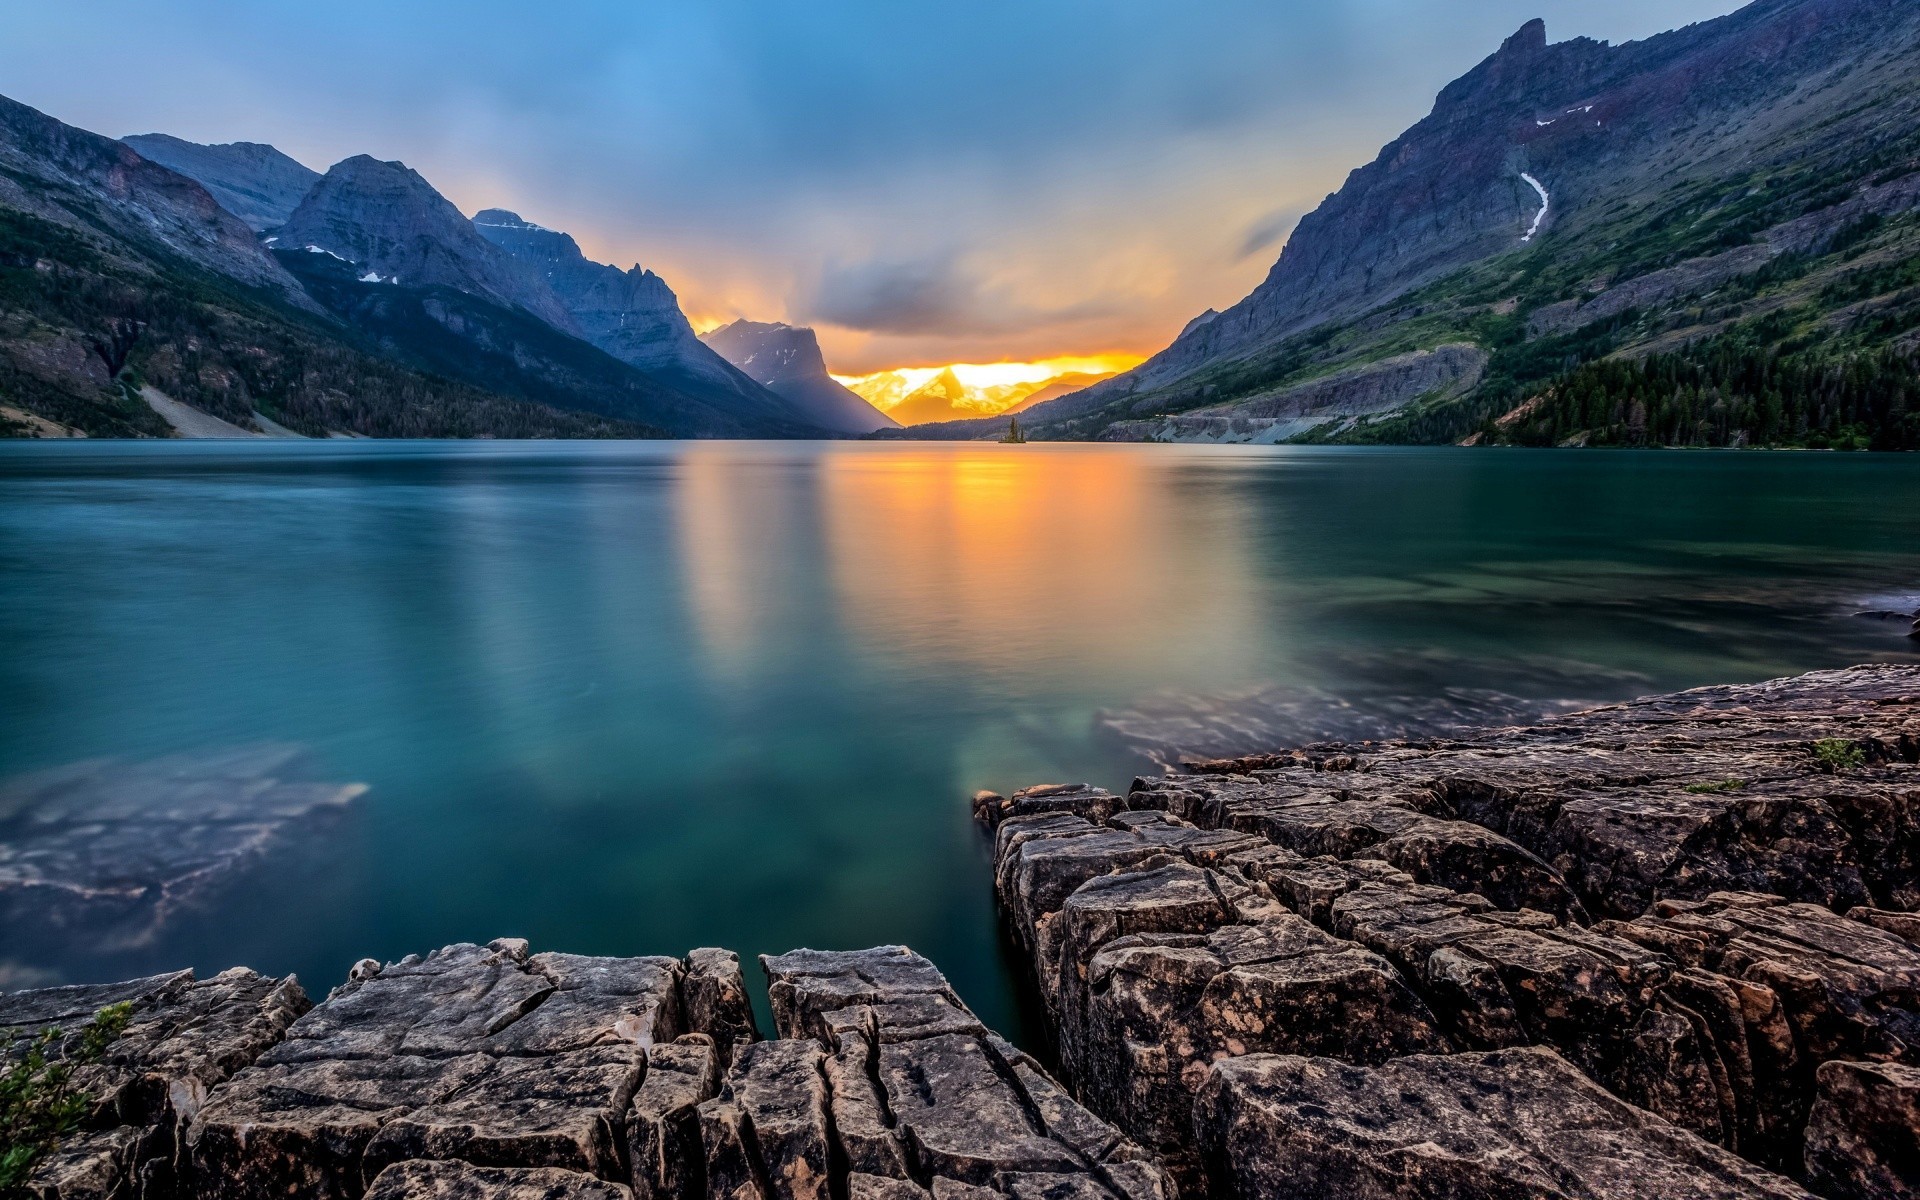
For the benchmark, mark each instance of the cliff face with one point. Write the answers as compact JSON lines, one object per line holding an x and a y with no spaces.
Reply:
{"x":253,"y":181}
{"x":383,"y":218}
{"x":787,"y":360}
{"x":1541,"y":141}
{"x":632,"y":315}
{"x":82,"y":177}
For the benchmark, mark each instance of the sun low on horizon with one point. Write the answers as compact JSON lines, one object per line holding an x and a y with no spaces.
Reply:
{"x":986,"y":388}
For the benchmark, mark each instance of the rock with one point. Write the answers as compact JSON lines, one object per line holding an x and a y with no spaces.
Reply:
{"x":1076,"y":799}
{"x":563,"y":1110}
{"x":1847,"y":989}
{"x":1348,"y":817}
{"x":767,"y":1133}
{"x":184,"y":1038}
{"x":1678,"y":796}
{"x":714,"y":997}
{"x":921,"y":1091}
{"x":889,"y":993}
{"x":1159,"y":1009}
{"x":303,"y":1128}
{"x":480,"y":1052}
{"x":1899,"y":924}
{"x":876,"y":1187}
{"x":464,"y":1181}
{"x":101,"y":1164}
{"x":664,"y":1149}
{"x":1507,"y":1123}
{"x":1863,"y":1142}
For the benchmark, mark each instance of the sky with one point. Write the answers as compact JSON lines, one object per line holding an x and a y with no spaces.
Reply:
{"x":976,"y":181}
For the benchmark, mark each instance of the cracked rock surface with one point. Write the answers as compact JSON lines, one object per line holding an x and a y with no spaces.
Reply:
{"x":1694,"y":911}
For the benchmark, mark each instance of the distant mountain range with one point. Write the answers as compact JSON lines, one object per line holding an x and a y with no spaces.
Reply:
{"x":911,"y":397}
{"x":786,"y":359}
{"x":1708,"y":237}
{"x":139,"y":276}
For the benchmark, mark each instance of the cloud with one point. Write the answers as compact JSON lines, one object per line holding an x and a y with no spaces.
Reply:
{"x":1268,"y":231}
{"x":896,"y":298}
{"x":933,"y":296}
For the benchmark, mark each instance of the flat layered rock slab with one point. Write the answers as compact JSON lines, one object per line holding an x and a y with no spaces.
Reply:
{"x":1804,"y":787}
{"x":487,"y":1054}
{"x":1513,"y":1124}
{"x":464,"y":1181}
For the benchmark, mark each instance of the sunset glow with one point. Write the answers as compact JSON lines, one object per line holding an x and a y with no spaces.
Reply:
{"x":991,"y":387}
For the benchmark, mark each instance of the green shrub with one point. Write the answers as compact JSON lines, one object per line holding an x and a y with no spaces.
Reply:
{"x":39,"y":1101}
{"x":1717,"y":788}
{"x":1839,"y":754}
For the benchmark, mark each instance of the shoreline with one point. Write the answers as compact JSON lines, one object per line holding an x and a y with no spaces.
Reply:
{"x":1592,"y":919}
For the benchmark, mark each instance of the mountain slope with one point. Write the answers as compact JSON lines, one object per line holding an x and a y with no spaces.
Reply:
{"x":632,"y":315}
{"x":390,"y":255}
{"x":387,"y":220}
{"x":787,"y":360}
{"x":254,"y":182}
{"x":1561,"y":203}
{"x":118,"y":275}
{"x":1059,"y":385}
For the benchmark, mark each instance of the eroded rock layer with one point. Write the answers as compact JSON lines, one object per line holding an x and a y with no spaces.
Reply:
{"x":1694,"y":911}
{"x":490,"y":1071}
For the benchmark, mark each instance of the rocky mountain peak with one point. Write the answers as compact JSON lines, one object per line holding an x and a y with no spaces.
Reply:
{"x":787,"y":359}
{"x":385,"y":217}
{"x":1530,"y":39}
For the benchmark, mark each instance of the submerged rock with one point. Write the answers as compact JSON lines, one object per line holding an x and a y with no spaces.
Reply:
{"x":100,"y":856}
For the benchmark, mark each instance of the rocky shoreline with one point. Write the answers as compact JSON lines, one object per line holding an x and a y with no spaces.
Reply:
{"x":1664,"y":949}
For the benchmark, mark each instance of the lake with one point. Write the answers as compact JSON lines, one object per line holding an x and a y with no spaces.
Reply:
{"x":634,"y":698}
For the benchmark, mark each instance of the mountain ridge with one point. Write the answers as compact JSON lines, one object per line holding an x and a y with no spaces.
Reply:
{"x":787,"y":359}
{"x":252,"y":180}
{"x":1544,"y":174}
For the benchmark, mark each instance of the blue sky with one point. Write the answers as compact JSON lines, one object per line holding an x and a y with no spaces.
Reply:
{"x":924,"y":182}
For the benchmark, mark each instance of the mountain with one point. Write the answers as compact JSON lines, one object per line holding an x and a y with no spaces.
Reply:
{"x":386,"y":252}
{"x":253,"y":181}
{"x":387,"y":220}
{"x":122,"y":280}
{"x":787,"y":360}
{"x":632,"y":315}
{"x":942,"y":398}
{"x":1059,"y":385}
{"x":1743,"y":188}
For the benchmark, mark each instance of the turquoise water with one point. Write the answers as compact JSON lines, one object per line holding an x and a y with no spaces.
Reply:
{"x":626,"y":699}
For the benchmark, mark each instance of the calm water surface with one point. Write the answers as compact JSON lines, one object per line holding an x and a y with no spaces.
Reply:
{"x":624,"y":699}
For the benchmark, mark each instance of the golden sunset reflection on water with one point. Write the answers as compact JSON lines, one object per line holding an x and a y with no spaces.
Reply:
{"x":962,"y":555}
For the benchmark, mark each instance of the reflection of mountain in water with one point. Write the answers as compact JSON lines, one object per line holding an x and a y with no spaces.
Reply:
{"x":102,"y":855}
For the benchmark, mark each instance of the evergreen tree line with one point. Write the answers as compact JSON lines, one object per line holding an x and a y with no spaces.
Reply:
{"x":1731,"y":392}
